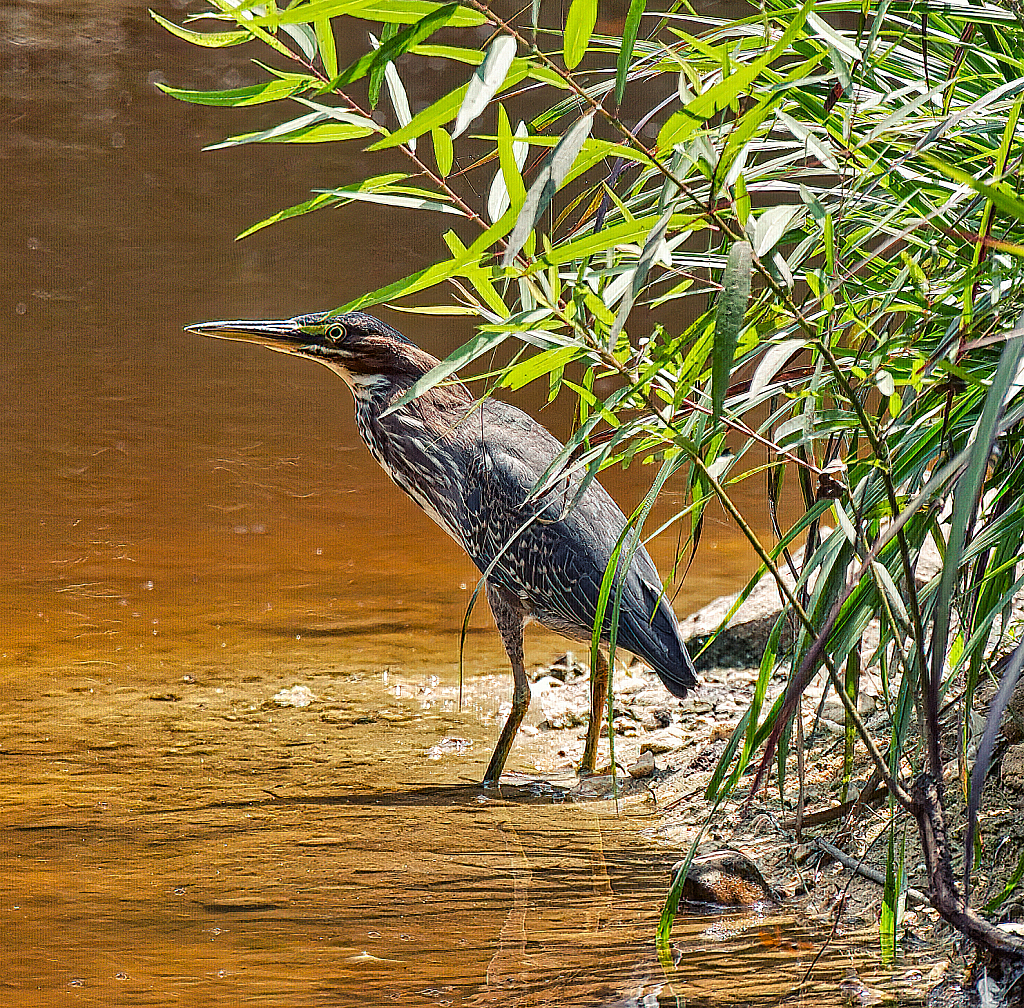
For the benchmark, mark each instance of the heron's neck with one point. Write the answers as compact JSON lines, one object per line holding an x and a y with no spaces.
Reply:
{"x":374,"y":393}
{"x":367,"y":389}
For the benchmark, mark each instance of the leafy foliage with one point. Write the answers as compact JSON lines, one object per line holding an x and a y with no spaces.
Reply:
{"x":832,"y":192}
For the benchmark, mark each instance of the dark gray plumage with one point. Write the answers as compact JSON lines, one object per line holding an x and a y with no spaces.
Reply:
{"x":472,"y":467}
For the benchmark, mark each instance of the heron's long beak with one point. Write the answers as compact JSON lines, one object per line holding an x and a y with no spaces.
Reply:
{"x":283,"y":335}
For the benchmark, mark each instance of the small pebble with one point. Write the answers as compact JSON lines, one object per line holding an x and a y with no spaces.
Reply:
{"x":297,"y":696}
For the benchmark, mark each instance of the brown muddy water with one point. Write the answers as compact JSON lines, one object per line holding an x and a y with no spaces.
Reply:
{"x":188,"y":528}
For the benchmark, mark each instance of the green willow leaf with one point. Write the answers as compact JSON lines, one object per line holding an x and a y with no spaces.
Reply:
{"x":392,"y":45}
{"x":437,"y":273}
{"x":323,"y":200}
{"x":211,"y":40}
{"x":442,"y":111}
{"x":507,"y":188}
{"x":320,"y":132}
{"x":628,"y":232}
{"x":474,"y":58}
{"x":255,"y":95}
{"x":652,"y":246}
{"x":999,"y":192}
{"x":378,"y":70}
{"x":629,"y":33}
{"x":397,"y":11}
{"x":326,"y":46}
{"x":688,"y":120}
{"x":309,"y":206}
{"x":579,"y":26}
{"x":540,"y":364}
{"x":479,"y":345}
{"x":730,"y":313}
{"x":393,"y":199}
{"x":444,"y":152}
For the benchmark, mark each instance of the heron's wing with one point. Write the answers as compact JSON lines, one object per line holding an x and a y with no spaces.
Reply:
{"x":554,"y":558}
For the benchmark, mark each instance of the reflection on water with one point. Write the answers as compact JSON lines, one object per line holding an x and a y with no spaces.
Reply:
{"x":190,"y":527}
{"x":208,"y":847}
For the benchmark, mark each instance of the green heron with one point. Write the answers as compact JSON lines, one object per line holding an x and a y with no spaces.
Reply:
{"x":472,"y":466}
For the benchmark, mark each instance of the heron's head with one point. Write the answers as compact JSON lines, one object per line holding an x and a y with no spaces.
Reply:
{"x":356,"y":345}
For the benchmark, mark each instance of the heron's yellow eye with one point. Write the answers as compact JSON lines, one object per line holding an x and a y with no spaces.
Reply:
{"x":335,"y":333}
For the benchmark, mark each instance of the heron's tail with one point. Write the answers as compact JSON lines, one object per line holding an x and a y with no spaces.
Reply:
{"x":681,"y":678}
{"x":669,"y":658}
{"x":659,"y":642}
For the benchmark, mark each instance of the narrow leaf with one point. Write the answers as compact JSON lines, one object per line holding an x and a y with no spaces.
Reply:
{"x":317,"y":203}
{"x":540,"y":364}
{"x":399,"y":99}
{"x":327,"y":199}
{"x":443,"y":110}
{"x":629,"y":32}
{"x":444,"y":152}
{"x":772,"y":225}
{"x":507,"y":187}
{"x":579,"y":26}
{"x":651,"y":249}
{"x":467,"y":353}
{"x":321,"y":132}
{"x":211,"y":40}
{"x":393,"y":199}
{"x":968,"y":490}
{"x":686,"y":121}
{"x":255,"y":95}
{"x":304,"y":37}
{"x":618,"y":234}
{"x":771,"y":363}
{"x":474,"y":57}
{"x":393,"y":43}
{"x":730,"y":312}
{"x":889,"y":587}
{"x":486,"y":80}
{"x":436,"y":309}
{"x":395,"y":11}
{"x":547,"y":183}
{"x":437,"y":273}
{"x":325,"y":43}
{"x":999,"y":192}
{"x":986,"y":747}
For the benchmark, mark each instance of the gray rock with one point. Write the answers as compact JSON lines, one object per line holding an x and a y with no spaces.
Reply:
{"x":644,"y":766}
